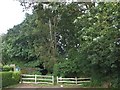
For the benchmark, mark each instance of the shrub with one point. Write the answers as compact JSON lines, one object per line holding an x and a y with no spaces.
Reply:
{"x":67,"y":68}
{"x":16,"y":77}
{"x":56,"y":70}
{"x":7,"y":68}
{"x":10,"y":78}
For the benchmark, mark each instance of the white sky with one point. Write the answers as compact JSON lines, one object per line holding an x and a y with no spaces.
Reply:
{"x":11,"y":13}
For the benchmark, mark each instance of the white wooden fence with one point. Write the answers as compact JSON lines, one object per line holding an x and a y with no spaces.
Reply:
{"x":72,"y":80}
{"x":45,"y":79}
{"x":25,"y":78}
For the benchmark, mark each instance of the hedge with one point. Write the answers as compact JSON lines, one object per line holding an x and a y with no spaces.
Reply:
{"x":10,"y":78}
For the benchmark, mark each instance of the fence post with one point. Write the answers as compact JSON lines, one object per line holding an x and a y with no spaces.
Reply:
{"x":53,"y":79}
{"x":76,"y":79}
{"x":35,"y":78}
{"x":21,"y":79}
{"x":57,"y":79}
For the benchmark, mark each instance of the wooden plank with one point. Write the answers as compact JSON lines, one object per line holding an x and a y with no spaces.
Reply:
{"x":35,"y":78}
{"x":57,"y":79}
{"x":82,"y":78}
{"x":68,"y":81}
{"x":66,"y":78}
{"x":44,"y":82}
{"x":37,"y":75}
{"x":28,"y":78}
{"x":76,"y":80}
{"x":82,"y":81}
{"x":45,"y":79}
{"x":52,"y":79}
{"x":44,"y":76}
{"x":27,"y":82}
{"x":27,"y":75}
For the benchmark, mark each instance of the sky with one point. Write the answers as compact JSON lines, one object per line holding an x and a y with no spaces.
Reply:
{"x":11,"y":13}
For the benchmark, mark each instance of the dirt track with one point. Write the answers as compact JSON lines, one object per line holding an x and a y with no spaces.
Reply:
{"x":35,"y":86}
{"x":30,"y":87}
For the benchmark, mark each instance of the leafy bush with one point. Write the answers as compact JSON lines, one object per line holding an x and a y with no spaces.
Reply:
{"x":66,"y":69}
{"x":7,"y":68}
{"x":10,"y":78}
{"x":56,"y":70}
{"x":16,"y":77}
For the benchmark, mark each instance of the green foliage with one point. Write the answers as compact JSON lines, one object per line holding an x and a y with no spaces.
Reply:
{"x":56,"y":70}
{"x":7,"y":68}
{"x":16,"y":77}
{"x":18,"y":63}
{"x":97,"y":42}
{"x":6,"y":78}
{"x":10,"y":78}
{"x":87,"y":34}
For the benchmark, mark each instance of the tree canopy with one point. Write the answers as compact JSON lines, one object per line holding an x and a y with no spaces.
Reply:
{"x":70,"y":39}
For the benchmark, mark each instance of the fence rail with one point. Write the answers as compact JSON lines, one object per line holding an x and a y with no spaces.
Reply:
{"x":72,"y":80}
{"x":25,"y":78}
